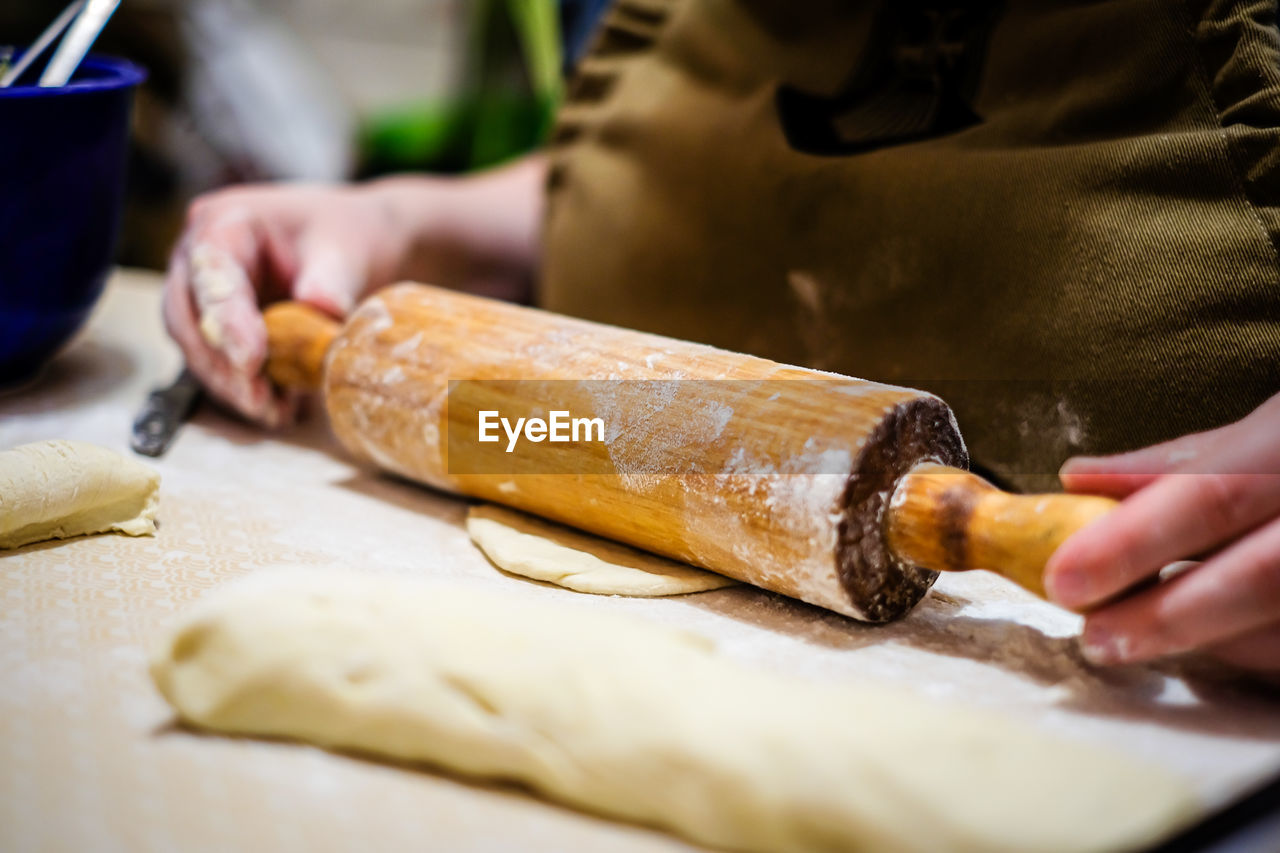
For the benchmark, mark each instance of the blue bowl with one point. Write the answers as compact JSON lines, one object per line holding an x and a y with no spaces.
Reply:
{"x":62,"y":165}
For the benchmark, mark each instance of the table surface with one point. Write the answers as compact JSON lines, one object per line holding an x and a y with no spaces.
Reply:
{"x":90,"y":757}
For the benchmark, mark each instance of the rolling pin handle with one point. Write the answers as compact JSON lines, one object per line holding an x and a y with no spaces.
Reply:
{"x":947,"y":519}
{"x":298,"y":337}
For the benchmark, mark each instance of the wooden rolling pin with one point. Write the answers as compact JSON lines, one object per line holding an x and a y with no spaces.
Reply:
{"x":847,"y":494}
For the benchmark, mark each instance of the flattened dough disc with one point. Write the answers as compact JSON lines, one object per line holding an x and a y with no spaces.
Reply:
{"x":532,"y":548}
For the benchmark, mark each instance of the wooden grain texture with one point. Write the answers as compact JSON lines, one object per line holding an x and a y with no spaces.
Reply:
{"x":952,"y":520}
{"x":771,"y":474}
{"x":298,"y":340}
{"x":778,"y":476}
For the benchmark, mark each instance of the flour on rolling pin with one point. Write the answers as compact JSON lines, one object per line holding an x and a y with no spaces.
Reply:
{"x":774,"y":475}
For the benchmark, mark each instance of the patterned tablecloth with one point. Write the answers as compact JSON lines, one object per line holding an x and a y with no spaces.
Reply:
{"x":90,"y":758}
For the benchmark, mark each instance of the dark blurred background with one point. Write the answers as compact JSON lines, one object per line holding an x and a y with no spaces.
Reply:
{"x":322,"y":90}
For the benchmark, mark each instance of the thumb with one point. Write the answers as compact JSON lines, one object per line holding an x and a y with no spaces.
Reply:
{"x":331,"y":277}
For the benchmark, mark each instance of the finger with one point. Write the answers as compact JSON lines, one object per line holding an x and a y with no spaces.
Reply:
{"x":1123,"y":474}
{"x":225,"y":259}
{"x":1203,"y":452}
{"x":182,"y":323}
{"x":1236,"y":592}
{"x":331,"y":274}
{"x":174,"y":298}
{"x":1258,"y":649}
{"x":1113,"y":484}
{"x":183,"y":326}
{"x":1178,"y":517}
{"x":249,"y":394}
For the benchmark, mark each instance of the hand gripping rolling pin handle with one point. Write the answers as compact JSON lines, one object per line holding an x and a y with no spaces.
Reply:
{"x":940,"y":518}
{"x":950,"y":520}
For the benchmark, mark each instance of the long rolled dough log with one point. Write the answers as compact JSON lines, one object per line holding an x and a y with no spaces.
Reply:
{"x":533,"y":548}
{"x":641,"y":722}
{"x":59,"y":489}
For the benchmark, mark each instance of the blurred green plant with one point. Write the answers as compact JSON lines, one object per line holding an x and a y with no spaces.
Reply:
{"x":504,"y":108}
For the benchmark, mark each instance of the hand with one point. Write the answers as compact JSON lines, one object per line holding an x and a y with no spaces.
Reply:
{"x":1212,"y":497}
{"x":328,"y":246}
{"x":246,"y":246}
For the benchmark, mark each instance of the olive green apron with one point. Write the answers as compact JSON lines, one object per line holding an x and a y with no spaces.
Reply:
{"x":1061,"y":217}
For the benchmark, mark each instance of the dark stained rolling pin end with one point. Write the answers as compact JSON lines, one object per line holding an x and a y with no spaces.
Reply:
{"x":298,"y":337}
{"x":950,"y":520}
{"x":882,"y":585}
